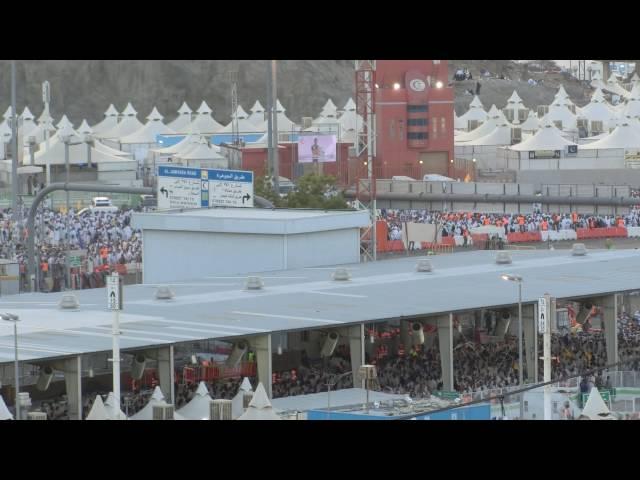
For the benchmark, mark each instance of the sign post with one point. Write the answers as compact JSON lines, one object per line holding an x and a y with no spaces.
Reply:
{"x":114,"y":303}
{"x":544,"y":327}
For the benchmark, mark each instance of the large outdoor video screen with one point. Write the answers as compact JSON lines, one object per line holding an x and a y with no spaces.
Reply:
{"x":317,"y":148}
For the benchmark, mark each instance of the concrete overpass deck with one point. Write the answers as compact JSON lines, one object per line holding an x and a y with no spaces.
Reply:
{"x":219,"y":307}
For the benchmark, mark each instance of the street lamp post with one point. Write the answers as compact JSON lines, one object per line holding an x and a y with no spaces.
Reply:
{"x":14,"y":318}
{"x":518,"y":280}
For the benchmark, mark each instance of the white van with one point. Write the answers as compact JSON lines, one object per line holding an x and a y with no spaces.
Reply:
{"x":434,"y":177}
{"x":403,"y":178}
{"x":100,"y":204}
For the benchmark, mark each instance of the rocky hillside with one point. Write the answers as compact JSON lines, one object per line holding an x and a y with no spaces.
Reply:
{"x":84,"y":89}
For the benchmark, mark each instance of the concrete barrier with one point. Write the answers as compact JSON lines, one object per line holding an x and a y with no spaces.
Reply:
{"x":633,"y":232}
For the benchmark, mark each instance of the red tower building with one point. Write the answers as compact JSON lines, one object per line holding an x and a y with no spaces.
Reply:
{"x":414,"y":118}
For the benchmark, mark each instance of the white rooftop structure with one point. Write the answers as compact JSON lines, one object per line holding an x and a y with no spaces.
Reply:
{"x":148,"y":134}
{"x":64,"y":123}
{"x":237,"y":406}
{"x":560,"y":112}
{"x":84,"y":128}
{"x":329,"y":110}
{"x":260,"y":407}
{"x":128,"y":125}
{"x":110,"y":120}
{"x":495,"y":118}
{"x":182,"y":146}
{"x":202,"y":121}
{"x":475,"y":112}
{"x":500,"y":135}
{"x":200,"y":150}
{"x":548,"y":137}
{"x":595,"y":408}
{"x":98,"y":410}
{"x":531,"y":124}
{"x":157,"y":399}
{"x":199,"y":406}
{"x":244,"y":124}
{"x":114,"y":412}
{"x":257,"y":114}
{"x":183,"y":119}
{"x":623,"y":136}
{"x":5,"y":414}
{"x":349,"y":106}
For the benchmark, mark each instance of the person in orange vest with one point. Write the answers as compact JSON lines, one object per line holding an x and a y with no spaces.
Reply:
{"x":521,"y":223}
{"x":544,"y":226}
{"x":621,"y":222}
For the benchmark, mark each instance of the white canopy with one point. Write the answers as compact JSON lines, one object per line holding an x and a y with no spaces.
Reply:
{"x":531,"y":124}
{"x":349,"y":106}
{"x":514,"y":98}
{"x":109,"y":122}
{"x":475,"y":112}
{"x":147,"y":412}
{"x":260,"y":407}
{"x":560,"y":112}
{"x":237,"y":407}
{"x":5,"y":132}
{"x":244,"y":124}
{"x":203,"y":122}
{"x":500,"y":135}
{"x":101,"y":147}
{"x":548,"y":137}
{"x":183,"y":119}
{"x":623,"y":136}
{"x":200,"y":150}
{"x":595,"y":408}
{"x":257,"y":114}
{"x":150,"y":131}
{"x":329,"y":110}
{"x":77,"y":154}
{"x":98,"y":410}
{"x":128,"y":125}
{"x":84,"y":128}
{"x":632,"y":109}
{"x":64,"y":123}
{"x":495,"y":118}
{"x":183,"y":146}
{"x":110,"y":405}
{"x":5,"y":414}
{"x":199,"y":406}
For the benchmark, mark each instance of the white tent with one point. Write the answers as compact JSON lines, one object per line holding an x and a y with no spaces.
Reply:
{"x":329,"y":110}
{"x":5,"y":414}
{"x":350,"y":106}
{"x":200,"y":150}
{"x":157,"y":398}
{"x":244,"y":124}
{"x":284,"y":124}
{"x":128,"y":125}
{"x":623,"y":136}
{"x":64,"y":123}
{"x":149,"y":132}
{"x":595,"y":408}
{"x":199,"y":406}
{"x":98,"y":410}
{"x":110,"y":404}
{"x":28,"y":125}
{"x":531,"y":124}
{"x":475,"y":112}
{"x":203,"y":121}
{"x":181,"y":147}
{"x":257,"y":114}
{"x":515,"y":105}
{"x":109,"y":122}
{"x":500,"y":135}
{"x":237,"y":406}
{"x":548,"y":137}
{"x":632,"y":109}
{"x":77,"y":154}
{"x":495,"y":118}
{"x":598,"y":110}
{"x":183,"y":119}
{"x":260,"y":407}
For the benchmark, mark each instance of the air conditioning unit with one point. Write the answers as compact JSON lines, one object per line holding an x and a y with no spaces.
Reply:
{"x":36,"y":416}
{"x":522,"y":115}
{"x":220,"y":409}
{"x":596,"y":127}
{"x":542,"y":110}
{"x":516,"y":135}
{"x":163,"y":412}
{"x":572,"y":108}
{"x":583,"y":123}
{"x":508,"y":114}
{"x":472,"y":124}
{"x":306,"y":122}
{"x":558,"y":124}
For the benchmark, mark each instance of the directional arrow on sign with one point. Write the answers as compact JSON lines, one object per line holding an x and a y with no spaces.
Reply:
{"x":247,"y":197}
{"x":165,"y":191}
{"x":113,"y":295}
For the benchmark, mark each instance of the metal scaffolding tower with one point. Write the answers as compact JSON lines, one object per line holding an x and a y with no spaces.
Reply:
{"x":366,"y":150}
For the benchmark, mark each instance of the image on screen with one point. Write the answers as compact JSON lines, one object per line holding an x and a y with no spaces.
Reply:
{"x":317,"y":148}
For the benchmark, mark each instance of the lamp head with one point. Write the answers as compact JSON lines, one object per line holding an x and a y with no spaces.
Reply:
{"x":511,"y":278}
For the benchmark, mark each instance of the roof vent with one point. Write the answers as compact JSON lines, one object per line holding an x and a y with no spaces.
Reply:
{"x":69,"y":302}
{"x":254,"y":283}
{"x":503,"y":258}
{"x":424,"y":265}
{"x":341,"y":275}
{"x":578,"y":250}
{"x":164,"y":293}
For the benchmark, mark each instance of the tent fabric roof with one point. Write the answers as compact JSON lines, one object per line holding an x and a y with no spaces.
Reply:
{"x":257,"y":107}
{"x":111,"y":111}
{"x":184,"y":109}
{"x":5,"y":414}
{"x":155,"y":115}
{"x":128,"y":125}
{"x":623,"y":136}
{"x":597,"y":111}
{"x":181,"y":147}
{"x":244,"y":126}
{"x":531,"y":123}
{"x":514,"y":98}
{"x":108,"y":123}
{"x":260,"y":407}
{"x":237,"y":406}
{"x":476,"y":103}
{"x":558,"y":112}
{"x":485,"y":129}
{"x":546,"y":138}
{"x":199,"y":406}
{"x":501,"y":135}
{"x":203,"y":123}
{"x":129,"y":111}
{"x":77,"y":155}
{"x":149,"y":132}
{"x":84,"y":127}
{"x":64,"y":122}
{"x":204,"y":109}
{"x":240,"y":113}
{"x":98,"y":410}
{"x":26,"y":114}
{"x":349,"y":106}
{"x":595,"y":408}
{"x":115,"y":414}
{"x":101,"y":147}
{"x":200,"y":151}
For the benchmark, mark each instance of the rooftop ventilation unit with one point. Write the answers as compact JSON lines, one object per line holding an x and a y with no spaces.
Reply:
{"x":503,"y":258}
{"x":424,"y":265}
{"x":329,"y":344}
{"x":254,"y":283}
{"x":341,"y":275}
{"x":69,"y":302}
{"x":163,"y":412}
{"x":418,"y":333}
{"x":578,"y":250}
{"x":307,"y":122}
{"x":36,"y":416}
{"x":164,"y":293}
{"x":220,"y":409}
{"x":44,"y":379}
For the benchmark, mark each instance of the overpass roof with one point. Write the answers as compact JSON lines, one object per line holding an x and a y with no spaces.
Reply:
{"x":219,"y":306}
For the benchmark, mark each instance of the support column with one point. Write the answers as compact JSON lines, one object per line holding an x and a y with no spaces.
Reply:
{"x":72,"y":368}
{"x":355,"y":334}
{"x":404,"y":335}
{"x":610,"y":305}
{"x":262,"y":346}
{"x":529,"y":330}
{"x":445,"y":339}
{"x":166,"y":372}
